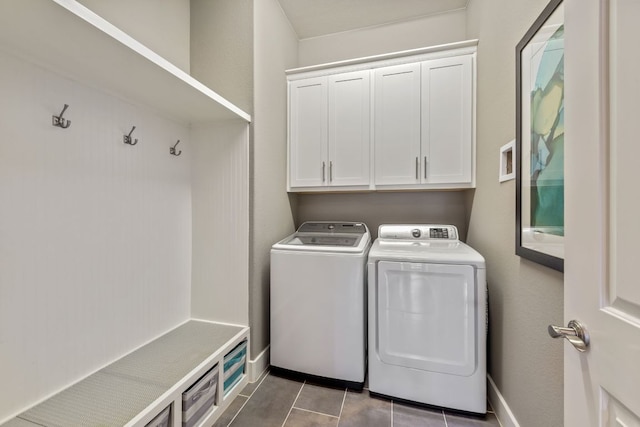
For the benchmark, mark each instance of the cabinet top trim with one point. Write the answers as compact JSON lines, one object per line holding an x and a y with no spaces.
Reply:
{"x":467,"y":46}
{"x":67,"y":38}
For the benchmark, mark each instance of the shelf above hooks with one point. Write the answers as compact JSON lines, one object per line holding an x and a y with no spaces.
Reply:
{"x":59,"y":121}
{"x":92,"y":50}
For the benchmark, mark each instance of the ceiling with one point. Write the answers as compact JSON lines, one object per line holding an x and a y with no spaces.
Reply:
{"x":312,"y":18}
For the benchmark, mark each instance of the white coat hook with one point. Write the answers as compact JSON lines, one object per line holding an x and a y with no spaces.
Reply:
{"x":172,"y":150}
{"x":128,"y":140}
{"x":59,"y":121}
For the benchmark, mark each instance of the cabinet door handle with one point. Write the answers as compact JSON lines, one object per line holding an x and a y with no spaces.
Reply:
{"x":323,"y":175}
{"x":417,"y":168}
{"x":330,"y":171}
{"x":425,"y":167}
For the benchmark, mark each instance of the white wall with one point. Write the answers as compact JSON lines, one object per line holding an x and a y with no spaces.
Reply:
{"x":275,"y":49}
{"x":95,"y":235}
{"x":524,"y":297}
{"x":220,"y":193}
{"x":411,"y":34}
{"x":222,"y":48}
{"x":161,"y":25}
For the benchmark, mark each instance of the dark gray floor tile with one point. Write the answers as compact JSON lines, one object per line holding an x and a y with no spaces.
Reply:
{"x":320,"y":399}
{"x":251,"y":387}
{"x":461,"y":421}
{"x":269,"y":405}
{"x":300,"y":418}
{"x":230,"y":412}
{"x":361,"y":410}
{"x":413,"y":416}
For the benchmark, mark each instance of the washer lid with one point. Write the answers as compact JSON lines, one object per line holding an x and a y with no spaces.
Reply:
{"x":311,"y":239}
{"x":330,"y":227}
{"x":325,"y":236}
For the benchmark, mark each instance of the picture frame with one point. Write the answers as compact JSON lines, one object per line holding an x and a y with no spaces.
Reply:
{"x":540,"y":140}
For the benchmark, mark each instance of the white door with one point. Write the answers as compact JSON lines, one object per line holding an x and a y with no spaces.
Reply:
{"x":349,"y":128}
{"x":308,"y":132}
{"x":602,"y":284}
{"x":447,"y":109}
{"x":397,"y":124}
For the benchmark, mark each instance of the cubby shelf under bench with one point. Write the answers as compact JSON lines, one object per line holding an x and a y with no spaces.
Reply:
{"x":137,"y":388}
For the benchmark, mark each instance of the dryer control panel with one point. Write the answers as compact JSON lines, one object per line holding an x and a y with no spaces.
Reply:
{"x":418,"y":232}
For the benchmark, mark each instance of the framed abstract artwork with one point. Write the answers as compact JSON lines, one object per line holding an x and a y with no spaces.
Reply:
{"x":540,"y":140}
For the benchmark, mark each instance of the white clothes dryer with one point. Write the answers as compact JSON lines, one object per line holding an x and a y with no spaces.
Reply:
{"x":318,"y":302}
{"x":427,"y":318}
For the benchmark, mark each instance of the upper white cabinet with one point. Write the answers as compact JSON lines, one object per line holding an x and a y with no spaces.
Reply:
{"x":409,"y":114}
{"x":329,"y":120}
{"x":447,"y":121}
{"x":397,"y":124}
{"x":423,"y":124}
{"x":308,"y":132}
{"x":349,"y":128}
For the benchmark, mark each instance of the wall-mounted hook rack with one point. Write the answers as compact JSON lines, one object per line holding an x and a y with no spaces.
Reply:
{"x":172,"y":150}
{"x":59,"y":121}
{"x":128,"y":140}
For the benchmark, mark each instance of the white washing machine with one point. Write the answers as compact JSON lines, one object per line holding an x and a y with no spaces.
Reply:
{"x":318,"y":316}
{"x":427,"y":318}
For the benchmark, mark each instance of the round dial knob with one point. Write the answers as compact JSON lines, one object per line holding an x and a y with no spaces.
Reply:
{"x":416,"y":232}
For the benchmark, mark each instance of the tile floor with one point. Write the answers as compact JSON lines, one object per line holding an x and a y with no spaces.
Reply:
{"x":274,"y":401}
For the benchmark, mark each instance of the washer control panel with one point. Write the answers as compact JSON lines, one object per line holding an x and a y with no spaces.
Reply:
{"x":418,"y":232}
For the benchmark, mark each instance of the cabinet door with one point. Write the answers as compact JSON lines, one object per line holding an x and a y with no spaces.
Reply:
{"x":447,"y":120}
{"x":308,"y":132}
{"x":397,"y":124}
{"x":349,"y":128}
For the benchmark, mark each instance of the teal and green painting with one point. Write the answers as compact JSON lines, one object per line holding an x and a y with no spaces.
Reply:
{"x":547,"y":138}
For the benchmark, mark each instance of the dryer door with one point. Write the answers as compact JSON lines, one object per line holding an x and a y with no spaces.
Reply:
{"x":427,"y":316}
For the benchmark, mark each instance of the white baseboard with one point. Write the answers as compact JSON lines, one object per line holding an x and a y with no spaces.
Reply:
{"x":258,"y":365}
{"x":499,"y":405}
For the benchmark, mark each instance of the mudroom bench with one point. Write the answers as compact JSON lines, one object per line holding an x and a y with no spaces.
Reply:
{"x":188,"y":376}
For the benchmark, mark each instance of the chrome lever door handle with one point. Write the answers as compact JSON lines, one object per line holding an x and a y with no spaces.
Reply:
{"x":575,"y":333}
